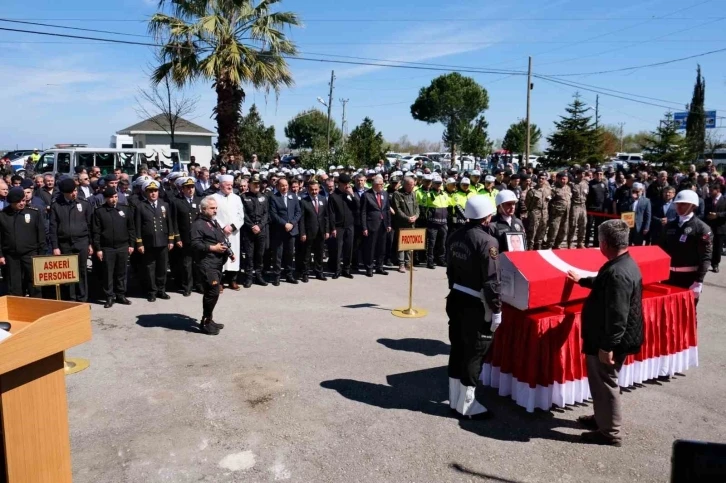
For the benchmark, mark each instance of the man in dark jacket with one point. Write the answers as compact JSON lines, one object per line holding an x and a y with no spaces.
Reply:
{"x":375,"y":219}
{"x":284,"y":228}
{"x":254,"y":232}
{"x":612,"y":328}
{"x":716,"y":219}
{"x":344,"y":206}
{"x":184,"y":209}
{"x":405,"y":213}
{"x":314,"y":230}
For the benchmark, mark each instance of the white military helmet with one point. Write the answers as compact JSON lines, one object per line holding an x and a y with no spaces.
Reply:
{"x":478,"y":207}
{"x":505,"y":196}
{"x":687,"y":196}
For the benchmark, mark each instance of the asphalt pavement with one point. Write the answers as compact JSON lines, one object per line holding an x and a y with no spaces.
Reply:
{"x":320,"y":383}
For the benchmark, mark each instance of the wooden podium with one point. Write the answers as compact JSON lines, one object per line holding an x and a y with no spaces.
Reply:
{"x":36,"y":444}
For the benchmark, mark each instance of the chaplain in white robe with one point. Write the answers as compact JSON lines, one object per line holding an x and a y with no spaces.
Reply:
{"x":231,"y":217}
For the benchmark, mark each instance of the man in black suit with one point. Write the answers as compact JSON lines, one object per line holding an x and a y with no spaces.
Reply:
{"x":716,"y":219}
{"x":642,"y":209}
{"x":285,"y":215}
{"x":375,"y":219}
{"x":663,"y":210}
{"x":314,"y":230}
{"x":344,"y":207}
{"x":185,"y":209}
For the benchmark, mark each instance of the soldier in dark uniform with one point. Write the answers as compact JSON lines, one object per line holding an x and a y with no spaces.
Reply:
{"x":185,"y":209}
{"x":505,"y":222}
{"x":114,"y":235}
{"x":154,"y":239}
{"x":473,"y":273}
{"x":112,"y":181}
{"x":70,"y":234}
{"x":254,"y":232}
{"x":689,"y":243}
{"x":22,"y":236}
{"x":212,"y":250}
{"x":597,"y":201}
{"x":344,"y":206}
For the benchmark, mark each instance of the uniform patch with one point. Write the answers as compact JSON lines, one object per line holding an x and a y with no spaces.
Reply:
{"x":194,"y":205}
{"x":688,"y":230}
{"x":517,"y":227}
{"x":261,"y":199}
{"x":121,"y":213}
{"x":80,"y":208}
{"x":27,"y":218}
{"x":493,"y":252}
{"x":707,"y":237}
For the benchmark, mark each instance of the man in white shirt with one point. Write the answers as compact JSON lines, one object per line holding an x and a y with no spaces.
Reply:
{"x":230,"y":216}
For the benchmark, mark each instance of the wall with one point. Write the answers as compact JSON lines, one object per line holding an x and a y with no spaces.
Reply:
{"x":200,"y":146}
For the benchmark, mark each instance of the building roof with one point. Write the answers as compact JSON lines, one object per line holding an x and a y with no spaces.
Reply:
{"x":151,"y":126}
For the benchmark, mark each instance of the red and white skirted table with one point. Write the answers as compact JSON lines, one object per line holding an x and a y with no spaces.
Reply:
{"x":537,"y":359}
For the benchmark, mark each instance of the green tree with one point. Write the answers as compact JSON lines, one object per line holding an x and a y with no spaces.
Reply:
{"x":696,"y":122}
{"x":255,"y":138}
{"x":515,"y":140}
{"x":454,"y":101}
{"x":476,"y":139}
{"x":634,"y":142}
{"x":230,"y":42}
{"x":575,"y":138}
{"x":309,"y":129}
{"x":365,"y":144}
{"x":665,"y":146}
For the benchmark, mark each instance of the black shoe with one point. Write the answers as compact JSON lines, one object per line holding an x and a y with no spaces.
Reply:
{"x":163,"y":295}
{"x":121,"y":299}
{"x":431,"y":267}
{"x":347,"y":275}
{"x":209,"y":329}
{"x":336,"y":275}
{"x":715,"y":269}
{"x":321,"y":277}
{"x":380,"y":271}
{"x":260,"y":280}
{"x":216,"y":324}
{"x":199,"y":289}
{"x":186,"y":293}
{"x":369,"y":273}
{"x":247,"y":283}
{"x":276,"y":282}
{"x":291,"y":279}
{"x":588,"y":422}
{"x":304,"y":279}
{"x":109,"y":303}
{"x":596,"y":437}
{"x":152,"y":298}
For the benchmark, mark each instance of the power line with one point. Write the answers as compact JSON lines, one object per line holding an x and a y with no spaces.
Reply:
{"x":73,"y":28}
{"x":605,"y":93}
{"x":412,"y":20}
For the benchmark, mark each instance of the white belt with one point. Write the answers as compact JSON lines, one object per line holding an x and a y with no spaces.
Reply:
{"x":467,"y":290}
{"x":684,"y":269}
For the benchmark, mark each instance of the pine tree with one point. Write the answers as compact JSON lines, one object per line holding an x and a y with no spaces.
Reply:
{"x":696,"y":122}
{"x":575,"y":139}
{"x":476,"y":140}
{"x":665,"y":146}
{"x":255,"y":138}
{"x":515,"y":140}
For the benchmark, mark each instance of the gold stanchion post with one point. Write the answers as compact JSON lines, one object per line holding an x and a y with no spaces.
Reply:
{"x":410,"y":312}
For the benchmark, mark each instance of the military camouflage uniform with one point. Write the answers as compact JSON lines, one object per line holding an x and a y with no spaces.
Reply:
{"x":536,"y":206}
{"x":578,"y":213}
{"x":559,"y":210}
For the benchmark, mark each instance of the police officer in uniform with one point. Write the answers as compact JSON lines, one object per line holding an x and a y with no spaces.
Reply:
{"x":154,"y":239}
{"x":113,"y":241}
{"x":70,"y":233}
{"x":437,"y":204}
{"x":474,"y":305}
{"x":597,"y":201}
{"x":185,"y":208}
{"x":212,"y":250}
{"x":505,"y":222}
{"x":689,"y":243}
{"x":254,"y":232}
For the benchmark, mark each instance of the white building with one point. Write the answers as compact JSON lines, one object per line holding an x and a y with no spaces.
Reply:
{"x":152,"y":134}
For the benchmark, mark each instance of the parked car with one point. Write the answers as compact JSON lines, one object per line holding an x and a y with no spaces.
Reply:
{"x":18,"y":158}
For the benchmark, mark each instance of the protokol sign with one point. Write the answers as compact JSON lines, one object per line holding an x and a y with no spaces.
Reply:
{"x":412,"y":239}
{"x":629,"y":218}
{"x":55,"y":270}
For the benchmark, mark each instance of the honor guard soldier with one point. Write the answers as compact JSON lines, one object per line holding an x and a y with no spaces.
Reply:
{"x":22,"y":236}
{"x":689,"y":243}
{"x":113,"y":235}
{"x":70,"y":233}
{"x":211,"y":247}
{"x":504,"y":222}
{"x":254,"y":232}
{"x":185,"y":209}
{"x":154,"y":239}
{"x":474,"y":305}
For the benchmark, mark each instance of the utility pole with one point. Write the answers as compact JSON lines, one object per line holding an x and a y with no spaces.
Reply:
{"x":330,"y":103}
{"x":529,"y":91}
{"x":621,"y":124}
{"x":344,"y":124}
{"x":597,"y":111}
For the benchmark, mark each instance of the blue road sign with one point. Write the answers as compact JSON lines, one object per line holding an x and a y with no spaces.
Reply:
{"x":680,"y":119}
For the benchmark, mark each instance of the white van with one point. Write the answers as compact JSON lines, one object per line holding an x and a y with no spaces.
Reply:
{"x":65,"y":160}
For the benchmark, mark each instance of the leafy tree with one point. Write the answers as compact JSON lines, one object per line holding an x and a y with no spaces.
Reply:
{"x":320,"y":158}
{"x":454,"y":101}
{"x":309,"y":129}
{"x":255,"y":138}
{"x":515,"y":140}
{"x":610,"y":139}
{"x":696,"y":122}
{"x":404,"y":145}
{"x":364,"y":144}
{"x":230,"y":42}
{"x":476,"y":140}
{"x":634,"y":142}
{"x":575,"y":138}
{"x":665,"y":146}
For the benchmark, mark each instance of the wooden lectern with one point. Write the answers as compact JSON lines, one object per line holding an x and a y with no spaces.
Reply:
{"x":36,"y":444}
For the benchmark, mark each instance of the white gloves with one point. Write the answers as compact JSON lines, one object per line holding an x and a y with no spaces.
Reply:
{"x":696,"y":288}
{"x":496,"y":321}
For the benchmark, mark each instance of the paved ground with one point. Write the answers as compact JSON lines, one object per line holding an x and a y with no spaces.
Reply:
{"x":319,"y":383}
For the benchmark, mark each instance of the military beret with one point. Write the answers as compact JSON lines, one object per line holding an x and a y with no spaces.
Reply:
{"x":67,"y":186}
{"x":15,"y":194}
{"x":26,"y":183}
{"x":110,"y":177}
{"x":344,"y":178}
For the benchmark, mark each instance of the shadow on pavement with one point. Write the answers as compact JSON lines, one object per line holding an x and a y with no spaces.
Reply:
{"x":365,"y":306}
{"x":488,"y":477}
{"x":426,"y":391}
{"x":169,"y":321}
{"x":427,"y":347}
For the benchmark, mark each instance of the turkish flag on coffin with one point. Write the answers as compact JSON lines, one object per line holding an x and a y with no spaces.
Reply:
{"x":535,"y":279}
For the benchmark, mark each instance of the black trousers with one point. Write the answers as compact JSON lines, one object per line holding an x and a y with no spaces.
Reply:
{"x":283,"y":248}
{"x":313,"y":246}
{"x":342,"y":255}
{"x":155,"y":260}
{"x":390,"y":247}
{"x":77,"y":291}
{"x":211,"y":281}
{"x":18,"y":273}
{"x":183,"y":267}
{"x":593,"y":224}
{"x":436,"y":244}
{"x":358,"y":250}
{"x":716,"y":255}
{"x":374,"y":248}
{"x":470,"y":337}
{"x":253,"y":247}
{"x":113,"y":271}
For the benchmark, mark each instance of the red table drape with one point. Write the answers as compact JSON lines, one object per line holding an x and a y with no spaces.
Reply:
{"x":537,"y":359}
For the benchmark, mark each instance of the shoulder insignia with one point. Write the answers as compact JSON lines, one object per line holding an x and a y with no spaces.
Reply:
{"x":31,"y":207}
{"x":707,"y":237}
{"x":493,"y":253}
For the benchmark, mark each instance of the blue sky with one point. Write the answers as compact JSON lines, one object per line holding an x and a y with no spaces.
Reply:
{"x":64,"y":90}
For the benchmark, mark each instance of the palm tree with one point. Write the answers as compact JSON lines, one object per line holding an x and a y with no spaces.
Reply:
{"x":231,"y":42}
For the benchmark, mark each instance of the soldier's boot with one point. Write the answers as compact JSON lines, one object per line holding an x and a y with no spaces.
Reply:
{"x":207,"y":328}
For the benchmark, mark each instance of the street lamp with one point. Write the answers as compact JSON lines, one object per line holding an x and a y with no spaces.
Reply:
{"x":321,"y":101}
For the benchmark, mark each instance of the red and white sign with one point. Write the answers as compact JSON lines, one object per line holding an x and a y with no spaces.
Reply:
{"x":536,"y":279}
